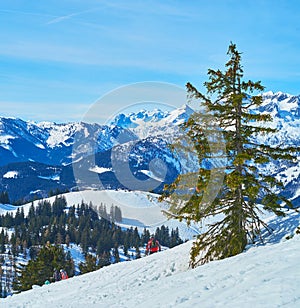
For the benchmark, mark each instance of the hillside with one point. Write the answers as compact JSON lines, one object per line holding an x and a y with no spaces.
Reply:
{"x":263,"y":276}
{"x":139,"y":209}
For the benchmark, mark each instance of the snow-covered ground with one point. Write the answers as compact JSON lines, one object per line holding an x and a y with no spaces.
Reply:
{"x":139,"y":209}
{"x":264,"y":276}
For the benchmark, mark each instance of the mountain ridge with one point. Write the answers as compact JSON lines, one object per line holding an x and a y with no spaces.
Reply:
{"x":138,"y":137}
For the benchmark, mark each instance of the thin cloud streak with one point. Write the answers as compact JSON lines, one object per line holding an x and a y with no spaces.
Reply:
{"x":84,"y":56}
{"x":69,"y":16}
{"x":60,"y":52}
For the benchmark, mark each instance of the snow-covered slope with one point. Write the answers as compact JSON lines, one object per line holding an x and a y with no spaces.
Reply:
{"x":263,"y":276}
{"x":139,"y":209}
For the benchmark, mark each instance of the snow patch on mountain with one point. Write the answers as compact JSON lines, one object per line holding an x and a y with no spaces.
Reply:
{"x":4,"y":208}
{"x":41,"y":146}
{"x":154,"y":123}
{"x":100,"y":170}
{"x":4,"y":139}
{"x":151,"y":175}
{"x":60,"y":134}
{"x":133,"y":119}
{"x":11,"y":175}
{"x":290,"y":174}
{"x":55,"y":177}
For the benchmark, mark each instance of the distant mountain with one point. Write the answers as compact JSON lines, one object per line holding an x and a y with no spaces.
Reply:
{"x":53,"y":144}
{"x":133,"y":141}
{"x":30,"y":180}
{"x":285,"y":111}
{"x":86,"y":148}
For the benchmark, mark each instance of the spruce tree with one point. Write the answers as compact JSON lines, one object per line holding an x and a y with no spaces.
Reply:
{"x":145,"y":236}
{"x":137,"y":252}
{"x":118,"y":214}
{"x":89,"y":265}
{"x":116,"y":254}
{"x":229,"y":108}
{"x":4,"y":198}
{"x":41,"y":268}
{"x":2,"y":241}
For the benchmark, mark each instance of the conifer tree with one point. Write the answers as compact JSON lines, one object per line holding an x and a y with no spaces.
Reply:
{"x":89,"y":265}
{"x":125,"y":249}
{"x":4,"y":198}
{"x":229,"y":106}
{"x":118,"y":214}
{"x":116,"y":254}
{"x":40,"y":269}
{"x":1,"y":273}
{"x":2,"y":241}
{"x":112,"y":214}
{"x":104,"y":259}
{"x":145,"y":236}
{"x":137,"y":252}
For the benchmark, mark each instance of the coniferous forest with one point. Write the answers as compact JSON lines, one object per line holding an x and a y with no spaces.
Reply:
{"x":41,"y":236}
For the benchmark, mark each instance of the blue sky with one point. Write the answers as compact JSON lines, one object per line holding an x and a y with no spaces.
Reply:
{"x":57,"y":57}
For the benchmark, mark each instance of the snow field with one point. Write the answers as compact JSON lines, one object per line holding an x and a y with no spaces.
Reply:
{"x":139,"y":209}
{"x":264,"y":276}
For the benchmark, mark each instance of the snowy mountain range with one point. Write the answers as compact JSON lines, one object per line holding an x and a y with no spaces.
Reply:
{"x":52,"y":143}
{"x":38,"y":157}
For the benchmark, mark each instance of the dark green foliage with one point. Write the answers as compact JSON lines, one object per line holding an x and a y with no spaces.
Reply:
{"x":47,"y":226}
{"x":137,"y":253}
{"x":116,"y":255}
{"x":4,"y":198}
{"x":164,"y":237}
{"x":41,"y":268}
{"x":125,"y":249}
{"x":3,"y":241}
{"x":104,"y":259}
{"x":175,"y":238}
{"x":89,"y":265}
{"x":115,"y":214}
{"x":1,"y":283}
{"x":103,"y":211}
{"x":145,"y":236}
{"x":227,"y":194}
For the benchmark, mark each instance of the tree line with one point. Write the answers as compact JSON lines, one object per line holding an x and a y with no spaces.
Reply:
{"x":52,"y":225}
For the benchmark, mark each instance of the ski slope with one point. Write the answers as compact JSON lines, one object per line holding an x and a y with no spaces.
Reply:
{"x":263,"y":276}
